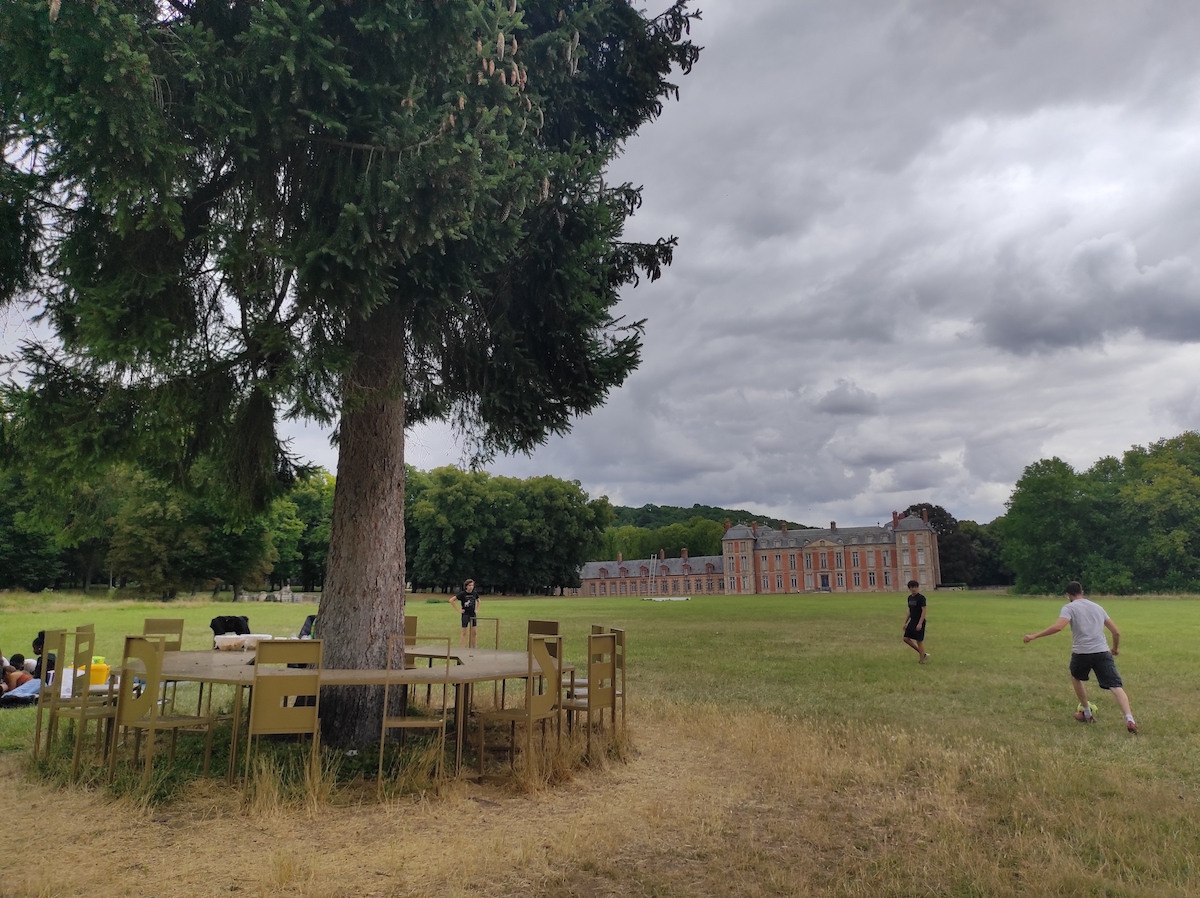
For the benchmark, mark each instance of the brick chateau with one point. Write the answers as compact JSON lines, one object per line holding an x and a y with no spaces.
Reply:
{"x":761,"y":560}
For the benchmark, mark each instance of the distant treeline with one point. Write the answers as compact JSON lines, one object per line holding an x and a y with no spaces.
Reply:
{"x":1125,"y":525}
{"x":653,"y":517}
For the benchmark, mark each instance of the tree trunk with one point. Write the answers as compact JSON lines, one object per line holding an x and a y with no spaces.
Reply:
{"x":362,"y":602}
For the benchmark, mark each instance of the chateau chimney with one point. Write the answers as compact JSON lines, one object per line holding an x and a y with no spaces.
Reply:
{"x":895,"y":519}
{"x":618,"y":558}
{"x":683,"y":553}
{"x":783,"y":526}
{"x":727,"y":525}
{"x":833,"y":526}
{"x":662,"y":554}
{"x":754,"y":528}
{"x":925,"y":515}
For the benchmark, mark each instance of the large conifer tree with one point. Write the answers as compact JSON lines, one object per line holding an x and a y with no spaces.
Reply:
{"x":368,"y":212}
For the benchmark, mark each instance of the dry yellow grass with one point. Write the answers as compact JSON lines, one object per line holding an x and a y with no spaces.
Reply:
{"x":708,"y":803}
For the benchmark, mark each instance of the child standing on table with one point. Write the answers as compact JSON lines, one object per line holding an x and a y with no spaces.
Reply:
{"x":468,"y":605}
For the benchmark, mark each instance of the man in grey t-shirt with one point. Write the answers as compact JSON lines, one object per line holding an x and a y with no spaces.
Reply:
{"x":1089,"y":652}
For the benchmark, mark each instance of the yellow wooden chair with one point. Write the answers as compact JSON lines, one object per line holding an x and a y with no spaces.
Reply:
{"x":171,"y":628}
{"x":140,"y":706}
{"x":54,"y":644}
{"x":274,"y":683}
{"x":77,"y":700}
{"x":398,"y":652}
{"x":576,"y":687}
{"x":600,"y":694}
{"x":544,"y":665}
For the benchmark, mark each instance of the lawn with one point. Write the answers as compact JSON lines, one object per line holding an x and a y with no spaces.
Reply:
{"x":784,"y":746}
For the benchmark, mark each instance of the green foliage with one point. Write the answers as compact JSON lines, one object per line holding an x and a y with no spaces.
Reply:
{"x":508,"y":535}
{"x":1124,"y":525}
{"x":29,"y":558}
{"x":653,"y":517}
{"x":700,"y":536}
{"x":256,"y":190}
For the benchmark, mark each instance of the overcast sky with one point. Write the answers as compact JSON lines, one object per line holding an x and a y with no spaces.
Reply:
{"x":922,"y":245}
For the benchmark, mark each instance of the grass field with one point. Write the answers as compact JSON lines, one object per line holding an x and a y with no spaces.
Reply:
{"x":783,"y":746}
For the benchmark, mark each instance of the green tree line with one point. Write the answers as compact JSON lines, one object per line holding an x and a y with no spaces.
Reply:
{"x":1122,"y":526}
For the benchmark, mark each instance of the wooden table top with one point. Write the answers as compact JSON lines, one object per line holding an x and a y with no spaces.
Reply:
{"x":237,"y":668}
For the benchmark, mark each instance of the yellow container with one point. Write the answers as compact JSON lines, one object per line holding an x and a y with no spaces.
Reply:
{"x":99,"y":674}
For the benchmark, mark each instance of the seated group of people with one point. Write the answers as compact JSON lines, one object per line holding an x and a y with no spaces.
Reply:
{"x":21,"y":677}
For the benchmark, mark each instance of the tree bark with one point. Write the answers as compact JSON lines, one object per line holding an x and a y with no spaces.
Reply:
{"x":362,"y":603}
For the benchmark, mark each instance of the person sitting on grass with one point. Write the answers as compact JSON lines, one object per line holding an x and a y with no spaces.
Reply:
{"x":1090,"y":652}
{"x":39,"y":645}
{"x":15,"y":674}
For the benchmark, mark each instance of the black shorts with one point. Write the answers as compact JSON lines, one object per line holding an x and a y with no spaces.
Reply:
{"x":1100,"y":662}
{"x":468,"y":619}
{"x":913,"y":632}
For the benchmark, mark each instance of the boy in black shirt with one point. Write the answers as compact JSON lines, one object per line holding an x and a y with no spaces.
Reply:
{"x":914,"y":624}
{"x":468,"y":604}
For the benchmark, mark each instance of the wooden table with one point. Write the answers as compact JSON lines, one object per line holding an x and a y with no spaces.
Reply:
{"x":236,"y":668}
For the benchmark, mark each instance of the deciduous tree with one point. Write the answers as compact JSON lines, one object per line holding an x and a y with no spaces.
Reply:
{"x":369,"y":213}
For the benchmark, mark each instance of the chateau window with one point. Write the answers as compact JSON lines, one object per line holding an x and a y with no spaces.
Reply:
{"x":779,"y":581}
{"x":808,"y":560}
{"x":870,"y":559}
{"x":710,"y":584}
{"x":729,"y":561}
{"x":791,"y":542}
{"x":887,"y":558}
{"x":904,"y":558}
{"x":732,"y":587}
{"x":675,"y":586}
{"x":622,"y":587}
{"x":857,"y":579}
{"x":795,"y":584}
{"x":837,"y":559}
{"x":870,"y":578}
{"x":887,"y":578}
{"x":710,"y":568}
{"x":687,"y":585}
{"x":603,"y":589}
{"x":853,"y":559}
{"x":792,"y":562}
{"x":779,"y":562}
{"x":808,"y":581}
{"x":823,"y":560}
{"x":745,"y":563}
{"x":603,"y":572}
{"x":745,"y":584}
{"x":764,"y":562}
{"x":920,"y":556}
{"x":592,"y":588}
{"x":841,"y":580}
{"x":764,"y":583}
{"x":624,"y":572}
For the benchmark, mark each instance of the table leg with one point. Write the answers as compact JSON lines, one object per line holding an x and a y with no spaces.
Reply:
{"x":235,"y":727}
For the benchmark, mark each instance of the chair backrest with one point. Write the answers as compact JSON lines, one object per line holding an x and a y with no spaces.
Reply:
{"x":410,"y":629}
{"x":80,"y":675}
{"x":602,"y":669}
{"x":545,"y":660}
{"x":147,"y":652}
{"x":54,"y":645}
{"x":542,"y":628}
{"x":274,"y":683}
{"x":170,"y":627}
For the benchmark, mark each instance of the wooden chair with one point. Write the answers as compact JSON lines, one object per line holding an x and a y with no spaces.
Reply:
{"x":275,"y":683}
{"x":402,"y":721}
{"x":55,"y":641}
{"x":542,"y":628}
{"x":545,"y":663}
{"x":76,"y":701}
{"x":143,"y":709}
{"x":600,"y":693}
{"x":576,"y":687}
{"x":172,"y":629}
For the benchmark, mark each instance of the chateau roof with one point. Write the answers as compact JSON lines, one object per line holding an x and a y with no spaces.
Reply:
{"x":768,"y":537}
{"x":699,"y":565}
